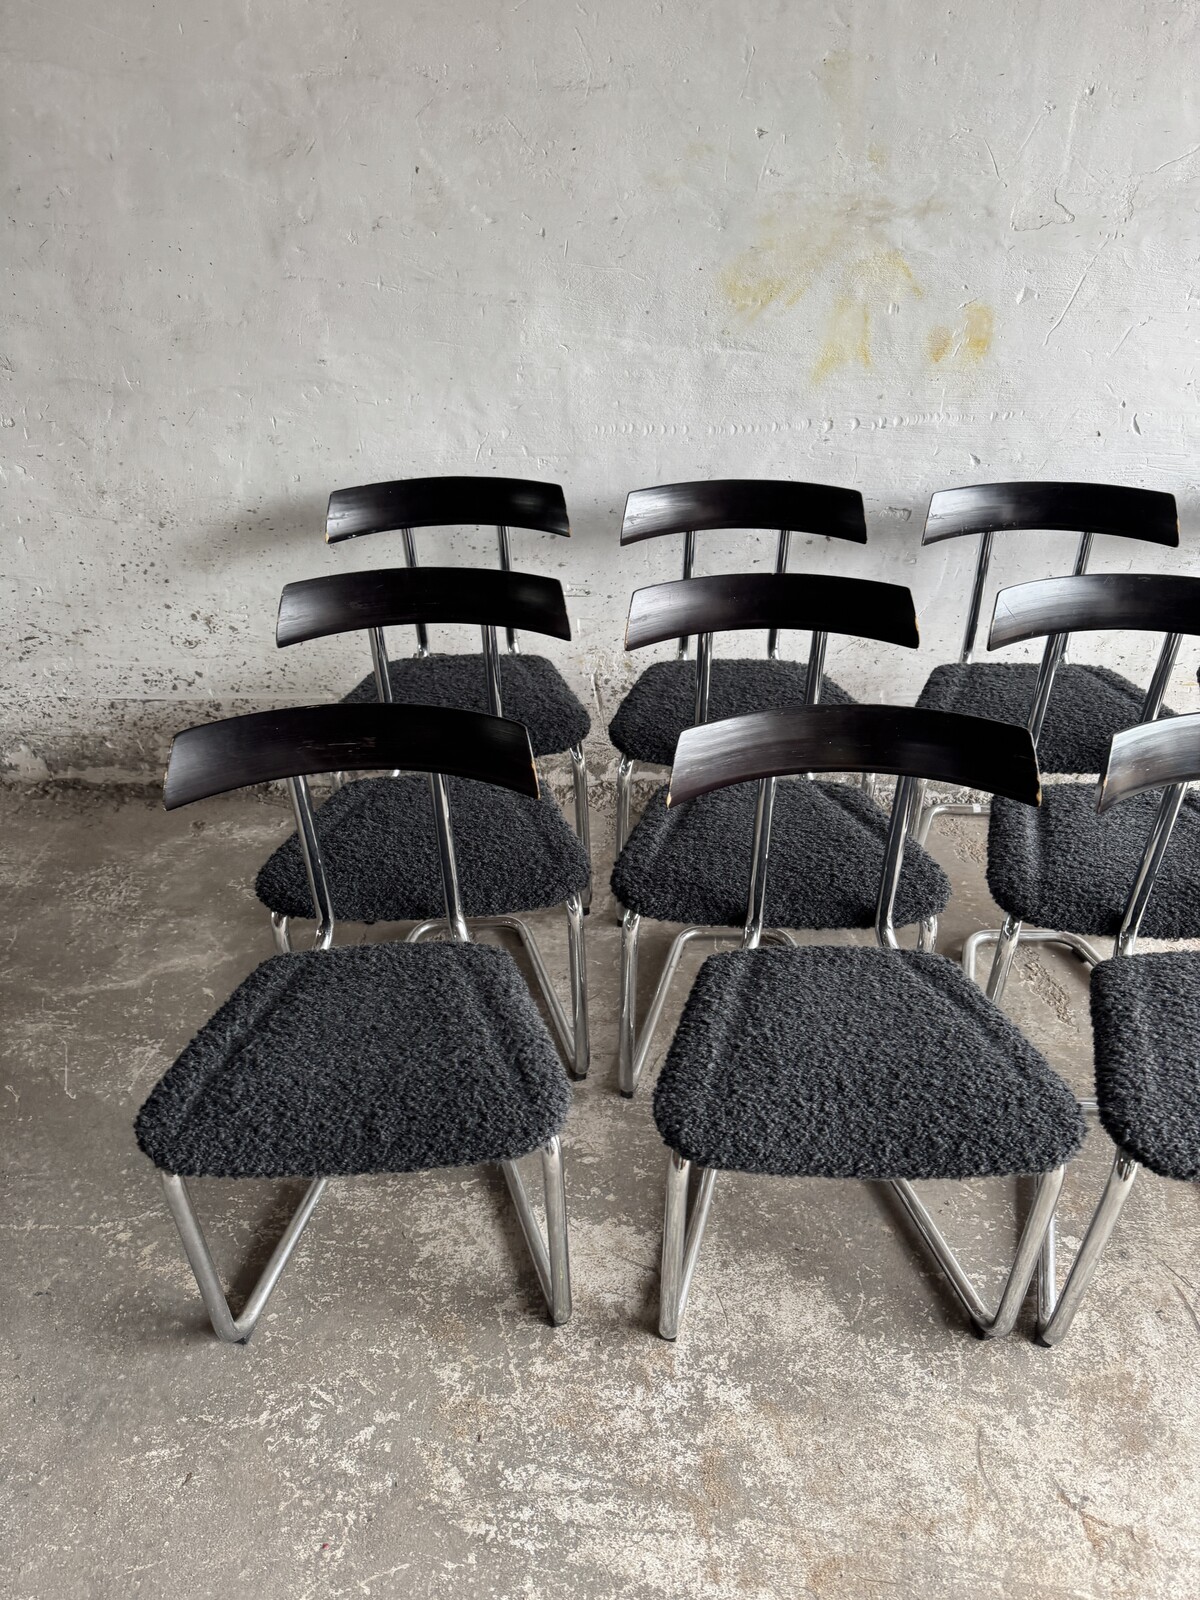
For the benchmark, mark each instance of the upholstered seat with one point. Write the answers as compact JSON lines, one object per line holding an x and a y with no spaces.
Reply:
{"x":378,"y":842}
{"x":857,"y":1063}
{"x":531,"y":687}
{"x":1066,"y":866}
{"x":1146,"y":1027}
{"x":1087,"y":706}
{"x":372,"y":1058}
{"x":691,"y":863}
{"x":662,"y":703}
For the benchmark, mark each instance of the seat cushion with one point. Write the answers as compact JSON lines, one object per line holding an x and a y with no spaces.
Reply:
{"x":1087,"y":706}
{"x":531,"y":688}
{"x":662,"y":703}
{"x":857,"y":1063}
{"x":1146,"y":1026}
{"x":373,"y":1058}
{"x":692,"y":863}
{"x":381,"y":861}
{"x":1061,"y":865}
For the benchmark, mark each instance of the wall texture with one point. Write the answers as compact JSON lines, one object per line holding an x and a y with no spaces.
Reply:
{"x":255,"y":252}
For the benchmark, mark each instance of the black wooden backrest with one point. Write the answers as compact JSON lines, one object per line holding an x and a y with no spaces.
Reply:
{"x":749,"y":503}
{"x":1083,"y":508}
{"x":388,"y":597}
{"x":445,"y":502}
{"x":1156,"y":755}
{"x":815,"y":603}
{"x":912,"y":744}
{"x":299,"y":741}
{"x":1055,"y":608}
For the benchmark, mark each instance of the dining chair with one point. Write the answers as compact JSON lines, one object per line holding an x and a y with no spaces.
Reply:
{"x":688,"y":864}
{"x":516,"y":851}
{"x":532,"y":689}
{"x":881,"y":1064}
{"x":376,"y":1058}
{"x":1065,"y":868}
{"x":661,"y":703}
{"x":1089,"y":703}
{"x":1145,"y":1007}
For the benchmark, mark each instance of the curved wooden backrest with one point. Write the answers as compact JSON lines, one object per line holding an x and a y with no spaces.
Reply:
{"x":346,"y":601}
{"x":301,"y":740}
{"x":1147,"y":602}
{"x":772,"y":600}
{"x":744,"y":503}
{"x":434,"y":502}
{"x":1064,"y":507}
{"x":971,"y":751}
{"x":1153,"y":755}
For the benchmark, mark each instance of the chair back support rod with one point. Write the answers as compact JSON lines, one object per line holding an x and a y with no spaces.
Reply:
{"x":1052,"y":657}
{"x":704,"y":645}
{"x":1152,"y":856}
{"x":299,"y":740}
{"x":982,"y":562}
{"x":491,"y":661}
{"x":510,"y":637}
{"x":906,"y":808}
{"x":314,"y":866}
{"x":447,"y":862}
{"x":1156,"y":693}
{"x":973,"y":752}
{"x":759,"y":852}
{"x":410,"y":560}
{"x":806,"y":602}
{"x":381,"y":666}
{"x":782,"y":551}
{"x":689,"y":567}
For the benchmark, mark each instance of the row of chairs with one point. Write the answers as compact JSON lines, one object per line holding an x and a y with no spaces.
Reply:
{"x":264,"y":1088}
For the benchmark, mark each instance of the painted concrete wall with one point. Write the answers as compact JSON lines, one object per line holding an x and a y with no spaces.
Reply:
{"x":255,"y":252}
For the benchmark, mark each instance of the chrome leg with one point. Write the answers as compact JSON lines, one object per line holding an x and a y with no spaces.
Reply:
{"x":1076,"y":943}
{"x":583,"y":822}
{"x":1029,"y":1249}
{"x":941,"y":808}
{"x":1006,"y":949}
{"x":682,"y":1238}
{"x":551,"y":1260}
{"x":280,"y":931}
{"x":624,"y":785}
{"x":627,"y":1018}
{"x":1056,"y":1315}
{"x":231,"y":1329}
{"x":577,"y":962}
{"x":927,"y":932}
{"x":689,"y":936}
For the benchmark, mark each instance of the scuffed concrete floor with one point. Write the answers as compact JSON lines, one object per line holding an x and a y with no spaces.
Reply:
{"x":406,"y":1423}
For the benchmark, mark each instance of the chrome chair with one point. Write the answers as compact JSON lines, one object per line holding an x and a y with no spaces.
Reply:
{"x":379,"y":1058}
{"x":531,"y":687}
{"x":516,"y":851}
{"x":880,"y":1064}
{"x":661,"y":703}
{"x":689,"y":864}
{"x":1089,"y":704}
{"x":1145,"y":1010}
{"x":1065,"y":869}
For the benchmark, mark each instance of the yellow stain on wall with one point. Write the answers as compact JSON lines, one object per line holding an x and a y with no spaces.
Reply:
{"x":968,"y":344}
{"x":847,"y":339}
{"x":938,"y":343}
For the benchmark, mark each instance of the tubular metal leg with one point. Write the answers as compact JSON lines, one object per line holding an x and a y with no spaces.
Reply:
{"x":627,"y":1019}
{"x":227,"y":1327}
{"x":682,"y":1238}
{"x":927,"y":932}
{"x":281,"y":932}
{"x":624,"y":785}
{"x":941,"y":808}
{"x":551,"y":1256}
{"x":689,"y":936}
{"x":1006,"y":949}
{"x":1076,"y":943}
{"x":1057,"y":1314}
{"x":583,"y":822}
{"x":577,"y":962}
{"x":1029,"y":1249}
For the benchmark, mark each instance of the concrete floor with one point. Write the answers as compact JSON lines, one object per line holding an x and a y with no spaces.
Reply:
{"x":406,"y":1423}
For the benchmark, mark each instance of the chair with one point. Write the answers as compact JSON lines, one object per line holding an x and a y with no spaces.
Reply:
{"x":1089,"y":703}
{"x":377,"y":1058}
{"x":881,"y":1064}
{"x":1145,"y":1013}
{"x":661,"y":703}
{"x":516,"y":851}
{"x":689,"y":864}
{"x":1065,"y":869}
{"x":532,"y":689}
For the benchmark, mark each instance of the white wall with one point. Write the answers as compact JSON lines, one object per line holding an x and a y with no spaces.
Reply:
{"x":258,"y":251}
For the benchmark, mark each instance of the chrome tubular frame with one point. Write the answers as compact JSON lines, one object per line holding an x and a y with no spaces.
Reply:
{"x":551,"y":1255}
{"x":510,"y":637}
{"x":689,"y":563}
{"x":682,"y":1236}
{"x":782,"y":551}
{"x":410,"y":560}
{"x":314,"y":868}
{"x":491,"y":664}
{"x":583,"y":821}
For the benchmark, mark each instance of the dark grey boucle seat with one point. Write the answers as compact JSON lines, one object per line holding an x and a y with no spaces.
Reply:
{"x":1067,"y":866}
{"x":662,"y":703}
{"x":374,"y":1058}
{"x":1087,"y":706}
{"x":692,"y":864}
{"x":857,"y":1063}
{"x":379,"y":844}
{"x":532,"y":689}
{"x":1146,"y":1026}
